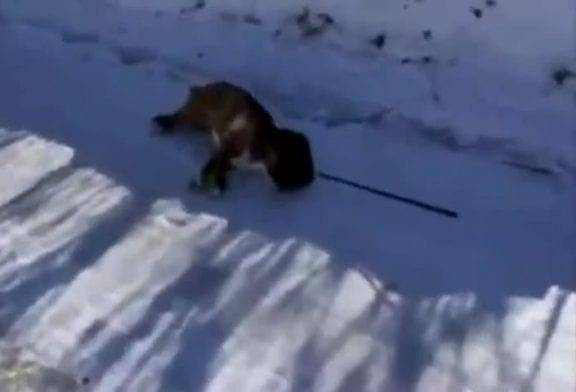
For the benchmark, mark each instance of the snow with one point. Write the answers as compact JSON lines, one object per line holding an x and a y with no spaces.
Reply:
{"x":111,"y":270}
{"x":486,"y":87}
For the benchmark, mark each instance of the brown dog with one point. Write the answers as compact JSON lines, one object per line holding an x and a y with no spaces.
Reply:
{"x":244,"y":133}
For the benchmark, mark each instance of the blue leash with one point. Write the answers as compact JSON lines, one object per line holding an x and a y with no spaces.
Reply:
{"x":420,"y":204}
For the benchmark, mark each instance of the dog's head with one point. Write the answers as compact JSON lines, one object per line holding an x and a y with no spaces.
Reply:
{"x":293,"y":166}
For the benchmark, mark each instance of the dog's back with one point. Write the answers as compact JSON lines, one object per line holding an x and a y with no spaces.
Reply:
{"x":217,"y":106}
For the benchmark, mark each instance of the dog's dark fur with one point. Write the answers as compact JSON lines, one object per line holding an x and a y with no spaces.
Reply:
{"x":241,"y":128}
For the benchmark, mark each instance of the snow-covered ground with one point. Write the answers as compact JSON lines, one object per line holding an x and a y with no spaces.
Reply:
{"x":114,"y":278}
{"x":477,"y":83}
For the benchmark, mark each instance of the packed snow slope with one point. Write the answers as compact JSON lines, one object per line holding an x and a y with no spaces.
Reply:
{"x":114,"y":278}
{"x":492,"y":75}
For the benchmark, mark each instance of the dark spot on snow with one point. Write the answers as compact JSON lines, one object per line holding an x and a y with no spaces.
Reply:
{"x":251,"y":19}
{"x":379,"y":41}
{"x":200,"y":55}
{"x":427,"y":59}
{"x":196,"y":7}
{"x":491,"y":3}
{"x":405,"y":6}
{"x":372,"y":119}
{"x":326,"y":18}
{"x":535,"y":169}
{"x":312,"y":25}
{"x":406,"y":60}
{"x":312,"y":31}
{"x":303,"y":16}
{"x":477,"y":12}
{"x":427,"y":34}
{"x":561,"y":74}
{"x":133,"y":55}
{"x":85,"y":381}
{"x":436,"y":97}
{"x":277,"y":33}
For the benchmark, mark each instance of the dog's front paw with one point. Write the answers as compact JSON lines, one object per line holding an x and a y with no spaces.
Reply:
{"x":198,"y":186}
